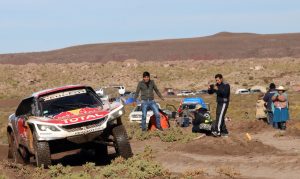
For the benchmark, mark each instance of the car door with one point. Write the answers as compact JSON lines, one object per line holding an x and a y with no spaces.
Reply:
{"x":22,"y":130}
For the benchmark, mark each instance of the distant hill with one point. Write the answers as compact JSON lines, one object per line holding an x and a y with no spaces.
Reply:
{"x":224,"y":45}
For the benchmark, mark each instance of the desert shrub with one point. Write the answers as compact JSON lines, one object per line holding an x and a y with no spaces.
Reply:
{"x":134,"y":132}
{"x":172,"y":134}
{"x":139,"y":166}
{"x":175,"y":134}
{"x":228,"y":172}
{"x":245,"y":84}
{"x":39,"y":173}
{"x":59,"y":171}
{"x":89,"y":167}
{"x":19,"y":169}
{"x":197,"y":173}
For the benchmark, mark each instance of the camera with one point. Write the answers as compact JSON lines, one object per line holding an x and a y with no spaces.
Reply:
{"x":211,"y":89}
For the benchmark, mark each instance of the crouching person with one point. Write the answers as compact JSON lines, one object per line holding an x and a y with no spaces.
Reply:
{"x":201,"y":120}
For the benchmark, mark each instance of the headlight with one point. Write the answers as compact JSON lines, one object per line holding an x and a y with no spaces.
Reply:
{"x":47,"y":127}
{"x":118,"y":113}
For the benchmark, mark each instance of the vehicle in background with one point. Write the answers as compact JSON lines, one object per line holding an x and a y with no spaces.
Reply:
{"x":255,"y":91}
{"x":202,"y":92}
{"x":190,"y":104}
{"x":171,"y":93}
{"x":120,"y":88}
{"x":185,"y":93}
{"x":136,"y":114}
{"x":108,"y":94}
{"x":258,"y":89}
{"x":242,"y":91}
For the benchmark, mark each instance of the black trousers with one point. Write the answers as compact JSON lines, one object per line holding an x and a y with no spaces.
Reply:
{"x":219,"y":126}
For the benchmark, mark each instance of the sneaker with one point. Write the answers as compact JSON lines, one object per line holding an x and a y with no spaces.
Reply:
{"x":224,"y":135}
{"x":160,"y":129}
{"x":144,"y":130}
{"x":215,"y":134}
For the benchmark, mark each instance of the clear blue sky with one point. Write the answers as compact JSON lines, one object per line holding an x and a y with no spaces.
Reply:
{"x":41,"y":25}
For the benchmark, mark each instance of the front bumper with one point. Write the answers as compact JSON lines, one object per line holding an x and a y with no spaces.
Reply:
{"x":85,"y":129}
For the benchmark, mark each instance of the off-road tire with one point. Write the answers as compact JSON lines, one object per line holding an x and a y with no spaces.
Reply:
{"x":42,"y":153}
{"x":10,"y":152}
{"x":121,"y":142}
{"x":101,"y":153}
{"x":15,"y":152}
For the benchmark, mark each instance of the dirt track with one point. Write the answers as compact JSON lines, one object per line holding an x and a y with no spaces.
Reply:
{"x":265,"y":156}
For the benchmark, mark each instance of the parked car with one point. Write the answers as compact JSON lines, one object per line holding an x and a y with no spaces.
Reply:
{"x":202,"y":92}
{"x":120,"y":88}
{"x":190,"y":104}
{"x":185,"y":93}
{"x":242,"y":91}
{"x":136,"y":114}
{"x":65,"y":118}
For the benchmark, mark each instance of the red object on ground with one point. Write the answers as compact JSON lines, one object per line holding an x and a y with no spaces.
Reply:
{"x":164,"y":122}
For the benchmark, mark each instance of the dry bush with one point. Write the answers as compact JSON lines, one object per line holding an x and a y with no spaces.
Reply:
{"x":189,"y":174}
{"x":228,"y":172}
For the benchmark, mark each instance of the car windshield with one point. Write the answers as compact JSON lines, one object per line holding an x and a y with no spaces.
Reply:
{"x":68,"y":100}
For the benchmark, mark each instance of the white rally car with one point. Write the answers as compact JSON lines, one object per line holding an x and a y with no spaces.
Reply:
{"x":62,"y":119}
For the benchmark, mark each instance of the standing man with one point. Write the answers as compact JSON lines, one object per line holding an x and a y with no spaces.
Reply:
{"x":223,"y":96}
{"x":146,"y":86}
{"x":268,"y":99}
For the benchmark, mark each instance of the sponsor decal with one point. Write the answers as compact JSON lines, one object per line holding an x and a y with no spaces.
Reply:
{"x":63,"y":94}
{"x":83,"y":118}
{"x":78,"y":115}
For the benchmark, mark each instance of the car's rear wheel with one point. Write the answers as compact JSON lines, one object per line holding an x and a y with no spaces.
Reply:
{"x":42,"y":153}
{"x":10,"y":152}
{"x":121,"y":142}
{"x":15,"y":153}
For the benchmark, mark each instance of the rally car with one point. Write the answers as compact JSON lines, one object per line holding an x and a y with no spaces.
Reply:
{"x":65,"y":118}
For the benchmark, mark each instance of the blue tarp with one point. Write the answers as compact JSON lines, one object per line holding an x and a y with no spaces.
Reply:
{"x":131,"y":100}
{"x":195,"y":101}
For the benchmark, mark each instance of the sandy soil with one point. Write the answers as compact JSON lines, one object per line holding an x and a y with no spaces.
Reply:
{"x":264,"y":156}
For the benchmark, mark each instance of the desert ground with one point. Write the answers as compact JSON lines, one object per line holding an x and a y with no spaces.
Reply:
{"x":177,"y":152}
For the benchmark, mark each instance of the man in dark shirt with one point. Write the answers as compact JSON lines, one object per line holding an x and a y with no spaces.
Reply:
{"x":223,"y":95}
{"x":268,"y":99}
{"x":146,"y":87}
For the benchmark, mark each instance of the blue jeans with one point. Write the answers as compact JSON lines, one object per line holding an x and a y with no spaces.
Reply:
{"x":146,"y":104}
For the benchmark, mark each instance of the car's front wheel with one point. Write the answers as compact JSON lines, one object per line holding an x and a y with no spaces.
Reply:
{"x":42,"y":153}
{"x":121,"y":142}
